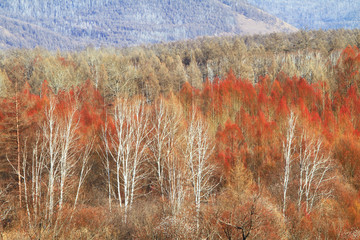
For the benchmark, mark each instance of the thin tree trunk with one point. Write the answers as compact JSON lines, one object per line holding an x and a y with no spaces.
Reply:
{"x":18,"y":140}
{"x":288,"y":156}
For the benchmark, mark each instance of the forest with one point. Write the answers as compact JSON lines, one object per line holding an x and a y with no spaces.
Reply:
{"x":75,"y":24}
{"x":245,"y":137}
{"x":313,"y":15}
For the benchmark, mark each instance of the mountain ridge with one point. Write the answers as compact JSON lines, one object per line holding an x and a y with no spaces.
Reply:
{"x":14,"y":33}
{"x":126,"y":23}
{"x":314,"y":15}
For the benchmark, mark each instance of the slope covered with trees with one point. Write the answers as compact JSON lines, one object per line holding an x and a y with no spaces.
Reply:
{"x":321,"y":14}
{"x":170,"y":141}
{"x":122,"y":23}
{"x":16,"y":33}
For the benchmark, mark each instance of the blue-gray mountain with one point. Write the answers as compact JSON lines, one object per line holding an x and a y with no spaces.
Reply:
{"x":314,"y":14}
{"x":72,"y":24}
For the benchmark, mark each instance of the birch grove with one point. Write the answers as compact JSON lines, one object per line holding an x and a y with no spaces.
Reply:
{"x":50,"y":170}
{"x":127,"y":148}
{"x":166,"y":157}
{"x":314,"y":168}
{"x":136,"y":141}
{"x":315,"y":171}
{"x":198,"y":151}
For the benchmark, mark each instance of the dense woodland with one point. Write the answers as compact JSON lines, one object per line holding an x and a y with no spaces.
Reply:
{"x":74,"y":24}
{"x":215,"y":138}
{"x":309,"y":14}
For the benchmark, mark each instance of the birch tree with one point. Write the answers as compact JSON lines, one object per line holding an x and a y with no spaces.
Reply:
{"x":288,"y":153}
{"x":165,"y":153}
{"x":127,"y":148}
{"x":105,"y":153}
{"x":315,"y":171}
{"x":161,"y":132}
{"x":56,"y":157}
{"x":198,"y":150}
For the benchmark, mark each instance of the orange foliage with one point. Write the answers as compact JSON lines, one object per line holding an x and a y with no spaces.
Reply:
{"x":348,"y":69}
{"x":45,"y":89}
{"x":231,"y":145}
{"x":282,"y":109}
{"x":252,"y":134}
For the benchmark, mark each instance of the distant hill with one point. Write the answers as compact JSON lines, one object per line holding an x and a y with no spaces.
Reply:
{"x":16,"y":33}
{"x":70,"y":24}
{"x":310,"y":14}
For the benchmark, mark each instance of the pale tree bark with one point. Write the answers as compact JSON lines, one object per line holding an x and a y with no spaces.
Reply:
{"x":176,"y":178}
{"x":166,"y":124}
{"x":56,"y":156}
{"x":105,"y":153}
{"x":68,"y":150}
{"x":288,"y":152}
{"x":161,"y":124}
{"x":34,"y":198}
{"x":127,"y":148}
{"x":85,"y":169}
{"x":315,"y":168}
{"x":51,"y":134}
{"x":166,"y":139}
{"x":198,"y":150}
{"x":140,"y":121}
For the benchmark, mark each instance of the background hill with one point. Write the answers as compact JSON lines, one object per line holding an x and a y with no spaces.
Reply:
{"x":309,"y":14}
{"x":72,"y":24}
{"x":17,"y":33}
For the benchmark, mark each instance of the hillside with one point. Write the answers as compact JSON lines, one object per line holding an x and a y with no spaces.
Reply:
{"x":119,"y":22}
{"x":17,"y":33}
{"x":307,"y":14}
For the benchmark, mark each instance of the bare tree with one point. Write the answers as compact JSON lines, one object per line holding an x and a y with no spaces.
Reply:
{"x":59,"y":76}
{"x":127,"y":148}
{"x":247,"y":219}
{"x":51,"y":134}
{"x":105,"y":153}
{"x":55,"y":159}
{"x":288,"y":151}
{"x":121,"y":77}
{"x":315,"y":171}
{"x":198,"y":150}
{"x":161,"y":132}
{"x":166,"y":160}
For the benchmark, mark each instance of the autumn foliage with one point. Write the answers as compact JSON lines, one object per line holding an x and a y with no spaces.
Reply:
{"x":246,"y":125}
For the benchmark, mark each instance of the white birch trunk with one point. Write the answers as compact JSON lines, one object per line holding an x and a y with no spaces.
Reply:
{"x":315,"y":172}
{"x":288,"y":151}
{"x":127,"y":148}
{"x":198,"y":150}
{"x":56,"y":155}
